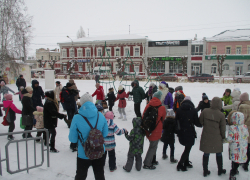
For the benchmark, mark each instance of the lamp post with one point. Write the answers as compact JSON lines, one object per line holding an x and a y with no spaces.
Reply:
{"x":72,"y":62}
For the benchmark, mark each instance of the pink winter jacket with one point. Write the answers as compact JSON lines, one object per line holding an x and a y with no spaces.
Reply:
{"x":11,"y":114}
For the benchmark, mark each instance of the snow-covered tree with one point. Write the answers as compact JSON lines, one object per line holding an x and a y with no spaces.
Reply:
{"x":80,"y":33}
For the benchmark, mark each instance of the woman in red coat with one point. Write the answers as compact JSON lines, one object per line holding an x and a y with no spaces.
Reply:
{"x":121,"y":95}
{"x":150,"y":159}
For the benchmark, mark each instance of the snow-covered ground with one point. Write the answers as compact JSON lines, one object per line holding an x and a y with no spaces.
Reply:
{"x":63,"y":164}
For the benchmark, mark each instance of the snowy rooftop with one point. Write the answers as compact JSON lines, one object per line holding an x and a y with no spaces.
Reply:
{"x":232,"y":35}
{"x":122,"y":37}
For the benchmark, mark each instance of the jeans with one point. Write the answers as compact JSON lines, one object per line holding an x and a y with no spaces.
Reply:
{"x":165,"y":146}
{"x":151,"y":152}
{"x":137,"y":108}
{"x":112,"y":159}
{"x":185,"y":155}
{"x":83,"y":166}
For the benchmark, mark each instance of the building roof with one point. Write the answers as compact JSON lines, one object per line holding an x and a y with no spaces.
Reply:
{"x":232,"y":35}
{"x":122,"y":37}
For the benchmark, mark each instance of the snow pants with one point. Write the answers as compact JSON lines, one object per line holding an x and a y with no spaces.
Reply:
{"x":151,"y":153}
{"x":130,"y":161}
{"x":121,"y":111}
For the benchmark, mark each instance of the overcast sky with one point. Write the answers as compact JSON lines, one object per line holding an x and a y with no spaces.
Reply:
{"x":53,"y":20}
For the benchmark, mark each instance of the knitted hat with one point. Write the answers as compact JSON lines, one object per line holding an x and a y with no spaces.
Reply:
{"x":39,"y":109}
{"x":236,"y":89}
{"x":158,"y":94}
{"x":244,"y":97}
{"x":120,"y":87}
{"x":29,"y":89}
{"x":204,"y":97}
{"x":187,"y":98}
{"x":2,"y":83}
{"x":111,"y":89}
{"x":99,"y":107}
{"x":109,"y":115}
{"x":69,"y":84}
{"x":163,"y":84}
{"x":178,"y":88}
{"x":170,"y":112}
{"x":58,"y":82}
{"x":21,"y":76}
{"x":8,"y":96}
{"x":152,"y":85}
{"x":86,"y":97}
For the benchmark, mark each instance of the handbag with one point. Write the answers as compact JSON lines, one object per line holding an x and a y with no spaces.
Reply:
{"x":21,"y":123}
{"x":104,"y":105}
{"x":27,"y":120}
{"x":5,"y":122}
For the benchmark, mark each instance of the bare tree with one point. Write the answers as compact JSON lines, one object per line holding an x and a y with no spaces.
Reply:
{"x":220,"y":60}
{"x":41,"y":63}
{"x":14,"y":31}
{"x":72,"y":64}
{"x":184,"y":64}
{"x":80,"y":33}
{"x":52,"y":64}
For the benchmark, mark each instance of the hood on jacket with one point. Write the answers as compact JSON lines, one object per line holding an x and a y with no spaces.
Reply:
{"x":155,"y":102}
{"x":216,"y":103}
{"x":187,"y":105}
{"x":152,"y":85}
{"x":7,"y":103}
{"x":237,"y":118}
{"x":236,"y":95}
{"x":24,"y":91}
{"x":71,"y":81}
{"x":136,"y":82}
{"x":109,"y":115}
{"x":34,"y":82}
{"x":88,"y":109}
{"x":121,"y":91}
{"x":50,"y":94}
{"x":136,"y":122}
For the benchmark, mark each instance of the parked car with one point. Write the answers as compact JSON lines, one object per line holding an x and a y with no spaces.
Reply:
{"x":140,"y":76}
{"x":201,"y":77}
{"x":167,"y":77}
{"x":242,"y":78}
{"x":72,"y":75}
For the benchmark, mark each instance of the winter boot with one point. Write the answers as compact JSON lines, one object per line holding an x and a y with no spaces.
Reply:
{"x":154,"y":162}
{"x":52,"y":147}
{"x":188,"y":164}
{"x":149,"y":167}
{"x":164,"y":156}
{"x":29,"y":135}
{"x":181,"y":167}
{"x":10,"y":138}
{"x":220,"y":165}
{"x":245,"y":167}
{"x":124,"y":118}
{"x":206,"y":172}
{"x":232,"y":175}
{"x":120,"y":117}
{"x":173,"y":160}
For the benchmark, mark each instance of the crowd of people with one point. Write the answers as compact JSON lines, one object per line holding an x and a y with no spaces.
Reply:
{"x":168,"y":112}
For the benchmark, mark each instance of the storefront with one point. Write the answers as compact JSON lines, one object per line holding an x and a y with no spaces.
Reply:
{"x":167,"y":65}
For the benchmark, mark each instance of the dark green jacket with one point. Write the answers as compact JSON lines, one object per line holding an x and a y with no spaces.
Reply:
{"x":137,"y":92}
{"x":136,"y":137}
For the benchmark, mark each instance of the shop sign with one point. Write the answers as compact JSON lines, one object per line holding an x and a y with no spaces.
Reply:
{"x":167,"y":58}
{"x":238,"y":62}
{"x":83,"y":60}
{"x":230,"y":57}
{"x":168,"y":43}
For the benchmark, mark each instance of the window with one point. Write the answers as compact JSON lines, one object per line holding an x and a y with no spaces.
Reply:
{"x":136,"y":68}
{"x":228,"y":50}
{"x":55,"y":57}
{"x":197,"y":49}
{"x":214,"y":49}
{"x":64,"y":53}
{"x":248,"y":67}
{"x":238,"y":50}
{"x":108,"y":52}
{"x":248,"y":49}
{"x":51,"y":57}
{"x":175,"y":67}
{"x":79,"y":53}
{"x":225,"y":67}
{"x":117,"y":52}
{"x":213,"y":68}
{"x":41,"y":57}
{"x":79,"y":67}
{"x":127,"y":68}
{"x":58,"y":57}
{"x":71,"y":53}
{"x":136,"y":51}
{"x":87,"y":52}
{"x":99,"y":52}
{"x":88,"y":67}
{"x":126,"y":51}
{"x":196,"y":68}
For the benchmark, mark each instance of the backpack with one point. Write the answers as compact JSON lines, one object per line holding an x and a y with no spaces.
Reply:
{"x":149,"y":119}
{"x":93,"y":146}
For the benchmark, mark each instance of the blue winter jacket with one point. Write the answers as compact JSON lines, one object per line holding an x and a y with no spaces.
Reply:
{"x":88,"y":110}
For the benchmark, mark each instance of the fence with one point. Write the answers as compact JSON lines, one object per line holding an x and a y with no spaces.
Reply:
{"x":7,"y":158}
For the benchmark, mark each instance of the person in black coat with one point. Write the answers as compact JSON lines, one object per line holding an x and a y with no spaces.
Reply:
{"x":28,"y":107}
{"x":20,"y":82}
{"x":111,"y":98}
{"x":205,"y":103}
{"x":50,"y":113}
{"x":68,"y":95}
{"x":38,"y":94}
{"x":186,"y":118}
{"x":168,"y":136}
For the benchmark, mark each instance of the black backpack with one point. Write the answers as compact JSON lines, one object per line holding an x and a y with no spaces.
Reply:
{"x":149,"y":119}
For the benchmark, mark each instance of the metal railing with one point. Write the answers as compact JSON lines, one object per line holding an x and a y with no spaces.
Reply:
{"x":26,"y":139}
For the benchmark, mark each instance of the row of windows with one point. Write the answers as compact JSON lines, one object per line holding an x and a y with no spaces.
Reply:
{"x":228,"y":49}
{"x":52,"y":58}
{"x":99,"y":52}
{"x":226,"y":66}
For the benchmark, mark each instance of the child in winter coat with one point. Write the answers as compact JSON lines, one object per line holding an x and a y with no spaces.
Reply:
{"x":111,"y":98}
{"x":38,"y":115}
{"x":205,"y":103}
{"x":19,"y":92}
{"x":168,"y":137}
{"x":109,"y":140}
{"x":227,"y":99}
{"x":12,"y":110}
{"x":121,"y":95}
{"x":235,"y":101}
{"x":238,"y":141}
{"x":136,"y":142}
{"x":5,"y":90}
